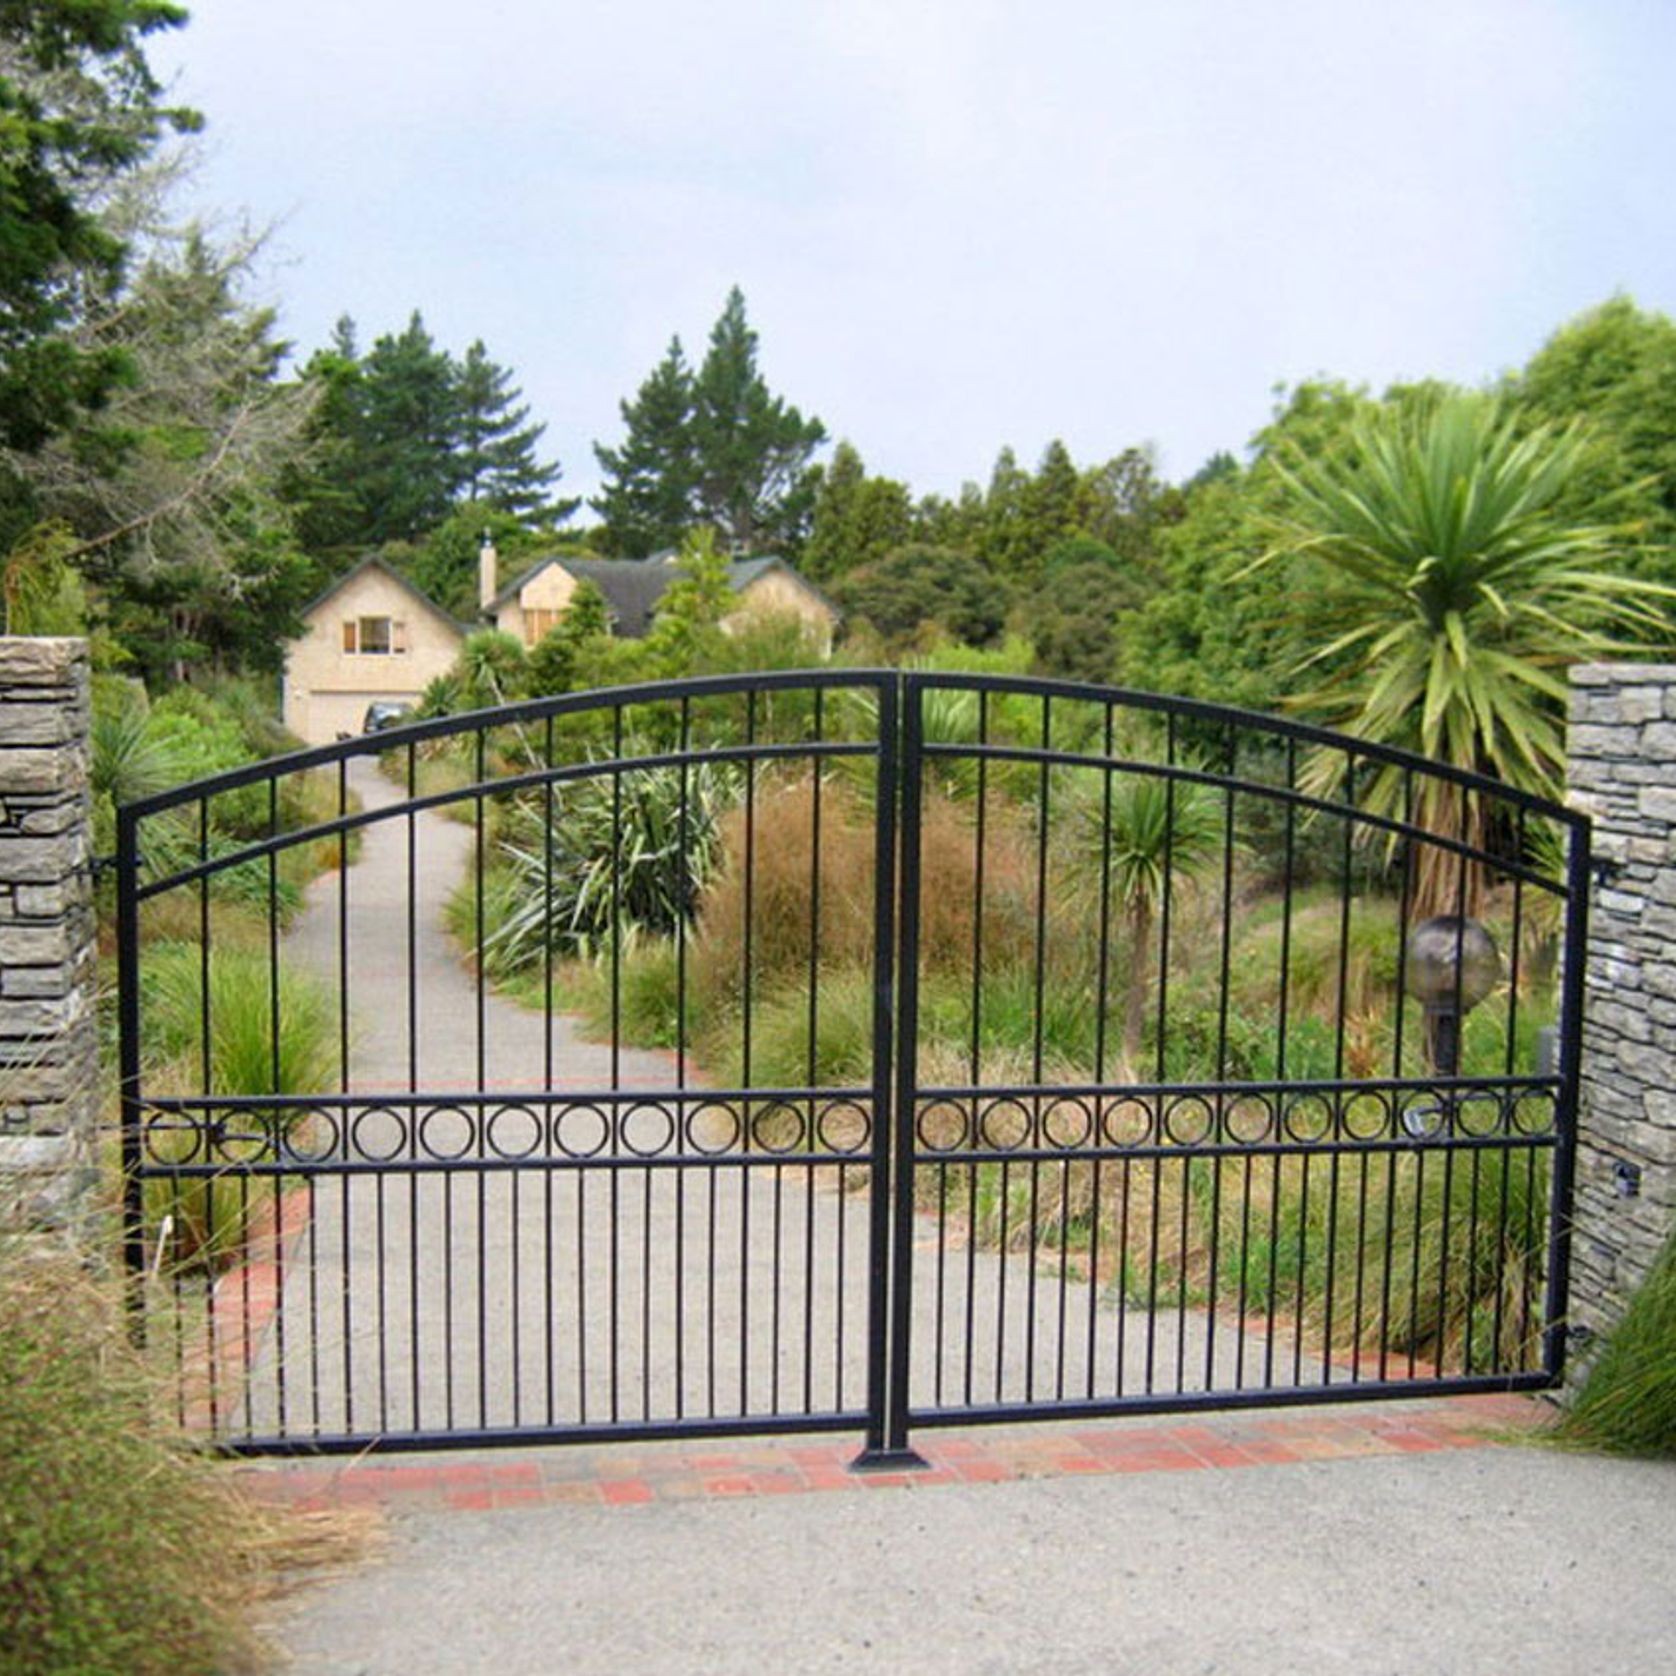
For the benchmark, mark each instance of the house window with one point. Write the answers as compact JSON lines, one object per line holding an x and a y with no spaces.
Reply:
{"x":538,"y":625}
{"x":374,"y":636}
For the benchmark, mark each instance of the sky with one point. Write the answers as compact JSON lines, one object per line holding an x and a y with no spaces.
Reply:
{"x":958,"y":224}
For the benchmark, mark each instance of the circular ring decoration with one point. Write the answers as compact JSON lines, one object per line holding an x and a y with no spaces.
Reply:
{"x":508,"y":1117}
{"x":1309,"y":1118}
{"x":171,"y":1123}
{"x":941,"y":1126}
{"x":1249,"y":1119}
{"x":1365,"y":1116}
{"x":310,"y":1136}
{"x":713,"y":1129}
{"x":1532,"y":1112}
{"x":1005,"y":1125}
{"x":388,"y":1134}
{"x":456,"y":1126}
{"x":580,"y":1131}
{"x":1128,"y":1122}
{"x":247,"y":1136}
{"x":1424,"y":1119}
{"x":647,"y":1129}
{"x":1189,"y":1120}
{"x":844,"y":1127}
{"x":1479,"y":1114}
{"x":1068,"y":1123}
{"x":778,"y":1128}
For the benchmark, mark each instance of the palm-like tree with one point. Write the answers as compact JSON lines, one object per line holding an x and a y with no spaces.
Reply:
{"x":1151,"y":834}
{"x":1454,"y":589}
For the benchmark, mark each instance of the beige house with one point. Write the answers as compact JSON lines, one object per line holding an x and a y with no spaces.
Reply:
{"x":529,"y":605}
{"x":371,"y":637}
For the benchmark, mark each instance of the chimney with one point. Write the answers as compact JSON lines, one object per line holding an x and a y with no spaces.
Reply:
{"x":486,"y":573}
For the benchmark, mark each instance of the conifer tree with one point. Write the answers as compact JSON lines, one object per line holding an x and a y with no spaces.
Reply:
{"x":753,"y":451}
{"x":646,"y":500}
{"x":495,"y":444}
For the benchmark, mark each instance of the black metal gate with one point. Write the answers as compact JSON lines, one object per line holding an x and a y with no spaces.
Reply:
{"x":841,"y":1050}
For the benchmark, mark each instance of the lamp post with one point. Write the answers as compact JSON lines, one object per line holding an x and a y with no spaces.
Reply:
{"x":1453,"y":964}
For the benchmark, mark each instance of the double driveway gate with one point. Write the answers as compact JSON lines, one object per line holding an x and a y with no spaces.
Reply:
{"x":841,"y":1050}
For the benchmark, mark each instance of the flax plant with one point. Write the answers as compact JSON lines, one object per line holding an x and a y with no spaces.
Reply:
{"x":1454,"y":587}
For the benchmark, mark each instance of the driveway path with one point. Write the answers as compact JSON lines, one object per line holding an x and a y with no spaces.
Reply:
{"x":482,"y":1279}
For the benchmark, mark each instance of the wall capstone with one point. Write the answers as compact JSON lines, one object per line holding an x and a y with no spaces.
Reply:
{"x":49,"y":1049}
{"x":1622,"y":774}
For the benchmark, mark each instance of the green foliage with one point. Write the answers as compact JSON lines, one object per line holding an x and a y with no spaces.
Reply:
{"x":646,"y":498}
{"x":553,"y":662}
{"x":79,"y":109}
{"x":1073,"y":614}
{"x":920,"y":585}
{"x":715,"y":448}
{"x":123,"y":1551}
{"x":857,"y":519}
{"x":1627,"y":1404}
{"x":752,"y":450}
{"x":1448,"y":591}
{"x":406,"y":435}
{"x":495,"y":447}
{"x":491,"y":669}
{"x":627,"y":852}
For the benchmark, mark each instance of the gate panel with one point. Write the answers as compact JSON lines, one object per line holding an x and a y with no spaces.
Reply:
{"x":1176,"y":1131}
{"x":1128,"y":1094}
{"x":373,"y":1202}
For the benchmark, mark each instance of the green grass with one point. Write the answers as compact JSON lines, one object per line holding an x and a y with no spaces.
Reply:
{"x":1627,"y":1404}
{"x":210,"y":1226}
{"x":122,"y":1551}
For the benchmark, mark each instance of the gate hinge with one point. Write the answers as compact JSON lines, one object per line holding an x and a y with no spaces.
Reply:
{"x":100,"y":865}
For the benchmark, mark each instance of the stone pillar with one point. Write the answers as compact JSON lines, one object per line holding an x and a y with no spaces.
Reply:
{"x":1622,"y":773}
{"x":49,"y":1049}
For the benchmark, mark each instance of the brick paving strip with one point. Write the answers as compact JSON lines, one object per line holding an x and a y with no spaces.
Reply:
{"x":626,"y":1474}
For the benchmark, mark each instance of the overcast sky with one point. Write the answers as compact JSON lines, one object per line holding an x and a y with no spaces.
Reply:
{"x":957,"y":223}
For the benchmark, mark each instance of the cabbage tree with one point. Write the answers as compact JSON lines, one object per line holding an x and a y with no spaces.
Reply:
{"x":1453,"y":591}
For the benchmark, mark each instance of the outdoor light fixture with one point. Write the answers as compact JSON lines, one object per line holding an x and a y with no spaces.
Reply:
{"x":1453,"y":964}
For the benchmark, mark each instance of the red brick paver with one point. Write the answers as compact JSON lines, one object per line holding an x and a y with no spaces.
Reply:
{"x":634,"y":1475}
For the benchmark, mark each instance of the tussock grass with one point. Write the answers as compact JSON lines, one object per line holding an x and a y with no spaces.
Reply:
{"x":123,"y":1551}
{"x":1627,"y":1404}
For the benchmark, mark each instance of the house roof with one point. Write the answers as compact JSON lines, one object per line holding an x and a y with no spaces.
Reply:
{"x":373,"y":562}
{"x":633,"y":587}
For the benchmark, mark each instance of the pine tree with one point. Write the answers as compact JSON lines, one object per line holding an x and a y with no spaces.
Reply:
{"x":407,"y":472}
{"x":495,"y":445}
{"x":754,"y":483}
{"x":647,"y":499}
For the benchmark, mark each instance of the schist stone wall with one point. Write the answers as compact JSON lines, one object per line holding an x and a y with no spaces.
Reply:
{"x":49,"y":1051}
{"x":1623,"y":775}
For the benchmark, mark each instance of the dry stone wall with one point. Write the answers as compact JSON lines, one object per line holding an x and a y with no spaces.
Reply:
{"x":48,"y":1031}
{"x":1623,"y":775}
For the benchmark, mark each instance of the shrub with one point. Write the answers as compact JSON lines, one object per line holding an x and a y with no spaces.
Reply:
{"x":1627,"y":1404}
{"x":122,"y":1553}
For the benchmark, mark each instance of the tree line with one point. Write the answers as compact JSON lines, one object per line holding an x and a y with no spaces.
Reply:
{"x":177,"y":478}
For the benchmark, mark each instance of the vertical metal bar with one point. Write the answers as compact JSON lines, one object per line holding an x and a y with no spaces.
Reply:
{"x":547,"y":925}
{"x":1566,"y":1107}
{"x":343,"y":932}
{"x":895,"y":1008}
{"x":1037,"y":1049}
{"x":813,"y":1063}
{"x":273,"y":938}
{"x":206,"y":1032}
{"x":613,"y":1181}
{"x":128,"y":1054}
{"x":746,"y":1177}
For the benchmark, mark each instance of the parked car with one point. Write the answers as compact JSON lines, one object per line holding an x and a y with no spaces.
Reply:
{"x":386,"y":713}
